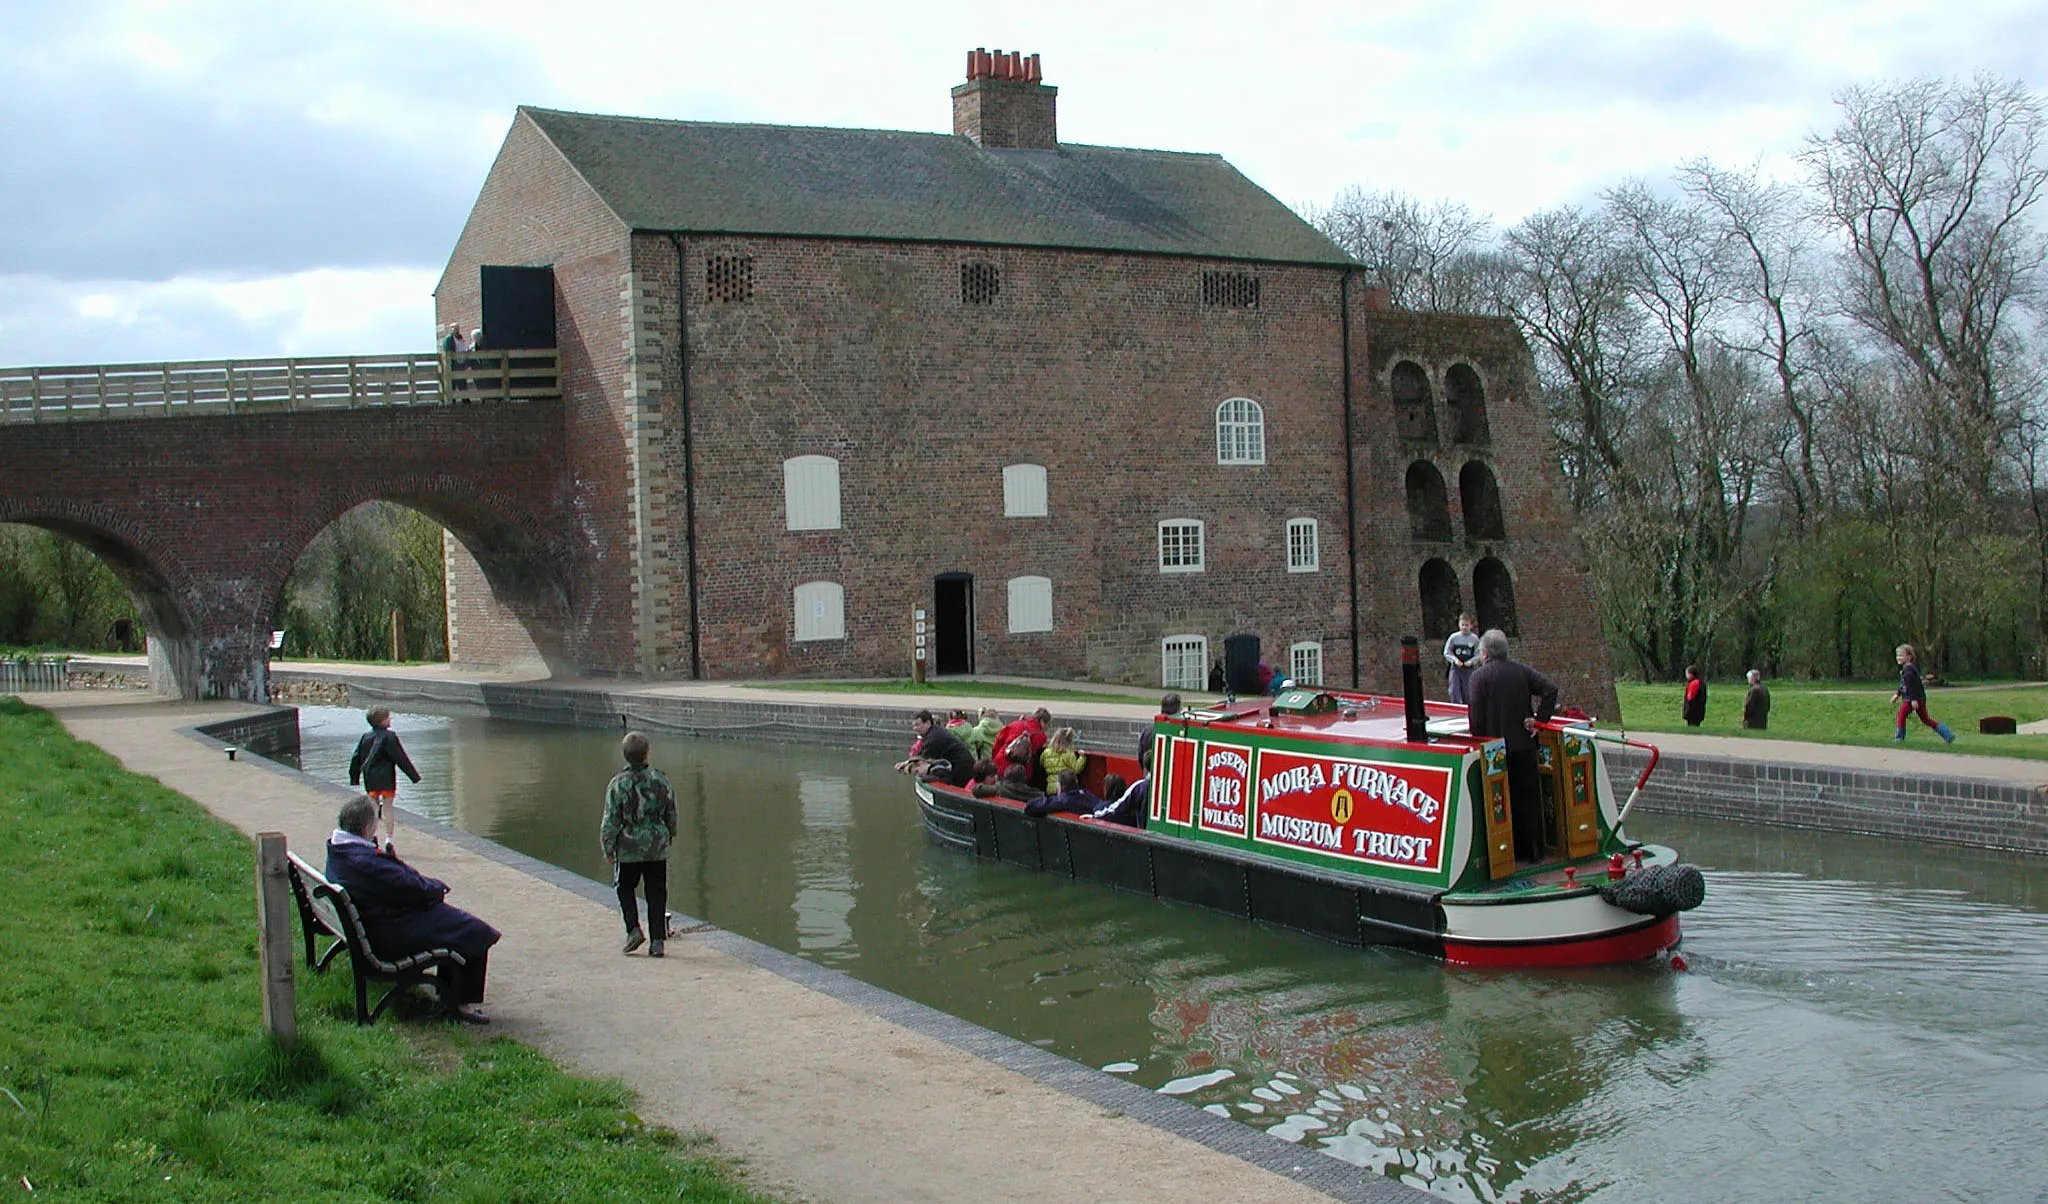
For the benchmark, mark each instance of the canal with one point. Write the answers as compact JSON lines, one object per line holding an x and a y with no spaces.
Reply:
{"x":1862,"y":1019}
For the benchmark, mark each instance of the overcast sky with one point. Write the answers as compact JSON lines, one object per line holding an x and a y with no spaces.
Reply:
{"x":187,"y":179}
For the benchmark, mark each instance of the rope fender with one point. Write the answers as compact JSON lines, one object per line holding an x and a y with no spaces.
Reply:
{"x":1658,"y":890}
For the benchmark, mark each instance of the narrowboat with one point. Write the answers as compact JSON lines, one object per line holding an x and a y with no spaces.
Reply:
{"x":1365,"y":820}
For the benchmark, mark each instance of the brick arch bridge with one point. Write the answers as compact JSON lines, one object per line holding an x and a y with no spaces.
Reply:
{"x":202,"y":518}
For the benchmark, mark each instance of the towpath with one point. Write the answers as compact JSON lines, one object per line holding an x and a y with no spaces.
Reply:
{"x":826,"y":1089}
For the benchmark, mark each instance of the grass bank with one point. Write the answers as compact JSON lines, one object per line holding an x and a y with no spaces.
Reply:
{"x":1847,"y":712}
{"x":134,"y":1062}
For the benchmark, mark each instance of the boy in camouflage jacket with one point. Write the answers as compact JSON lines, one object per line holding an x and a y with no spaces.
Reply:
{"x":638,"y":828}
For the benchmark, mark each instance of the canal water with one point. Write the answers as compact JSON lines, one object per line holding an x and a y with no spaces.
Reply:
{"x":1862,"y":1019}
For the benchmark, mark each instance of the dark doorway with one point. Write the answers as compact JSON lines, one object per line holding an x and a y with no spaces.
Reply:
{"x":1438,"y":582}
{"x":519,"y":307}
{"x":953,"y":623}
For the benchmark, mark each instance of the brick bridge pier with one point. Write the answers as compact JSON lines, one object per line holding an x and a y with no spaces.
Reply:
{"x":202,"y":514}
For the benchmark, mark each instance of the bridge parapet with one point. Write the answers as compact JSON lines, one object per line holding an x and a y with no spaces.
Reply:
{"x":215,"y":387}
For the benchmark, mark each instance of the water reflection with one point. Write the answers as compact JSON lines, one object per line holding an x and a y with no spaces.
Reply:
{"x":1850,"y":998}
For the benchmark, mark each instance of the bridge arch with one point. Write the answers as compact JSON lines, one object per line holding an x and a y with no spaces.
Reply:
{"x":151,"y":574}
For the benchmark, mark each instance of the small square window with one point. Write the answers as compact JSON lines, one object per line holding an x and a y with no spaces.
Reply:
{"x":1180,"y":546}
{"x":729,"y":279}
{"x":980,"y":283}
{"x":1304,"y":555}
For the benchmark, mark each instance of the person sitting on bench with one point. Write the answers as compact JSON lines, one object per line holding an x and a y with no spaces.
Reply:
{"x":403,"y":910}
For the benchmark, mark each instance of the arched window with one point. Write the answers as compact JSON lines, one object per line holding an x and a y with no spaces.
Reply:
{"x":1438,"y":583}
{"x":1429,"y":503}
{"x":820,"y":611}
{"x":810,"y":493}
{"x":1414,"y":409}
{"x":1493,"y":596}
{"x":1479,"y":497}
{"x":1240,"y":432}
{"x":1024,"y":491}
{"x":1030,"y":604}
{"x":1467,"y":398}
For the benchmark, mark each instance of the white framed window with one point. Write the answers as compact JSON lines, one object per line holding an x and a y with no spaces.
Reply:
{"x":1240,"y":432}
{"x":820,"y":611}
{"x":1024,"y":491}
{"x":1180,"y":545}
{"x":1304,"y":550}
{"x":1184,"y":662}
{"x":810,"y":493}
{"x":1305,"y":663}
{"x":1030,"y":604}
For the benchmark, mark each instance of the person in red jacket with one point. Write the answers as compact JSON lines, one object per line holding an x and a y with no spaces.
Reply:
{"x":1695,"y":709}
{"x":1032,"y":727}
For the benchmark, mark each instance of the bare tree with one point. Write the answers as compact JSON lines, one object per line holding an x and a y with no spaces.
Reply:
{"x":1429,"y":256}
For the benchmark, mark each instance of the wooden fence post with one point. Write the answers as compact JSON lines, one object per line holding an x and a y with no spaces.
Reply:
{"x":273,"y":904}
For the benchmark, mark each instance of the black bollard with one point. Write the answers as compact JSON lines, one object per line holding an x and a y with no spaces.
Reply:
{"x":1411,"y":690}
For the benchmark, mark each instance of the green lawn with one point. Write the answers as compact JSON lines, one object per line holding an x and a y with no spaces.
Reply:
{"x":135,"y":1066}
{"x":1837,"y":712}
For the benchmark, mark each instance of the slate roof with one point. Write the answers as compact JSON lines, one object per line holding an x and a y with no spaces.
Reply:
{"x":711,"y":177}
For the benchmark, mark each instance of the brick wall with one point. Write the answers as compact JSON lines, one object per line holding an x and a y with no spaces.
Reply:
{"x":1557,"y":623}
{"x":1104,"y":369}
{"x":535,"y":210}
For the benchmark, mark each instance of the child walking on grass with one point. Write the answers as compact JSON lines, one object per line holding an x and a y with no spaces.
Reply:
{"x":1912,"y":698}
{"x":379,"y":757}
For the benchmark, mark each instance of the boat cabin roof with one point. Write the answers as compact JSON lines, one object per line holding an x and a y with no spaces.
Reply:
{"x":1335,"y":716}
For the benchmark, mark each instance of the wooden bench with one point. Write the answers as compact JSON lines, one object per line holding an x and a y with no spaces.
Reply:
{"x":327,"y":913}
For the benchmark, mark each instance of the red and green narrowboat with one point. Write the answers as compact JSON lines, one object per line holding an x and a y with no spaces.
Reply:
{"x":1368,"y":821}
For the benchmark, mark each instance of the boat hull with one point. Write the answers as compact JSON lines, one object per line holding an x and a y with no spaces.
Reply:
{"x":1347,"y":909}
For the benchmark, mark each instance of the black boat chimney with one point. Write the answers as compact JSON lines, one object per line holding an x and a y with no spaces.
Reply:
{"x":1411,"y":690}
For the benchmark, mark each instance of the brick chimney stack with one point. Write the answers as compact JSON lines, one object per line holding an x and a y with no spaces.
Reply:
{"x":1005,"y":103}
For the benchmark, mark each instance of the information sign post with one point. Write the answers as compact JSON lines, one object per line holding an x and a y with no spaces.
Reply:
{"x":917,"y":645}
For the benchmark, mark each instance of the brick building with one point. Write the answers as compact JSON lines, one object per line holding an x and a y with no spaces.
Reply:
{"x":1091,"y":409}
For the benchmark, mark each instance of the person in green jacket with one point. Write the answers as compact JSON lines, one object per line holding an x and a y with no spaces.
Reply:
{"x":979,"y":735}
{"x":638,"y":828}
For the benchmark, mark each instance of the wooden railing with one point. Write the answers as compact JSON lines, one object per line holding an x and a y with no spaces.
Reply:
{"x":272,"y":386}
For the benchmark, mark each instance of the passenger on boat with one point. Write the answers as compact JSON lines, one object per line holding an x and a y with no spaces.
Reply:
{"x":1059,"y":756}
{"x":1132,"y":806}
{"x":1169,"y":706}
{"x":940,"y":755}
{"x":1499,"y":704}
{"x":985,"y":771}
{"x":1070,"y":798}
{"x":978,"y":734}
{"x":1015,"y":784}
{"x":1032,"y":727}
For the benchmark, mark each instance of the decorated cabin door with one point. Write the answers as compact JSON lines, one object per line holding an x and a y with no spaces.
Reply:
{"x":1499,"y":824}
{"x":1580,"y":794}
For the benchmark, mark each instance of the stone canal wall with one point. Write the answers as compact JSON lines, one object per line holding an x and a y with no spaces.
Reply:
{"x":1960,"y":811}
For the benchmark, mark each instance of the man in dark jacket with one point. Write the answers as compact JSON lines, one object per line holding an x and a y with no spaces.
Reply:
{"x":403,"y":912}
{"x":1506,"y":699}
{"x":941,"y":756}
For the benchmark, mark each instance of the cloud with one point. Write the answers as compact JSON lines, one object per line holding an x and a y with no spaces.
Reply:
{"x":325,"y":311}
{"x":244,"y":145}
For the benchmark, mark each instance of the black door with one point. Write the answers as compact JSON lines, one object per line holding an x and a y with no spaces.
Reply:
{"x":519,"y":307}
{"x":953,"y":623}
